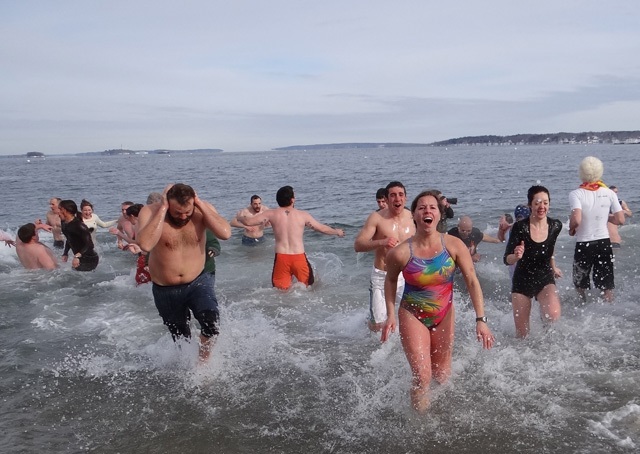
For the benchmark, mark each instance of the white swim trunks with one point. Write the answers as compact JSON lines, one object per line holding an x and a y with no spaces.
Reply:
{"x":377,"y":305}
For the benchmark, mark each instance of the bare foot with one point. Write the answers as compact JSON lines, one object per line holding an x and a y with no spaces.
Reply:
{"x":420,"y":400}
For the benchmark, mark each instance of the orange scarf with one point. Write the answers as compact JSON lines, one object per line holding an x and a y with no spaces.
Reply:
{"x":593,"y":186}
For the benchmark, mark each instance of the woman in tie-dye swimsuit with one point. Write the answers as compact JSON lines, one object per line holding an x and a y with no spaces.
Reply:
{"x":426,"y":316}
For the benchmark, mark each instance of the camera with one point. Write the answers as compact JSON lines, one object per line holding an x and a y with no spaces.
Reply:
{"x":451,"y":200}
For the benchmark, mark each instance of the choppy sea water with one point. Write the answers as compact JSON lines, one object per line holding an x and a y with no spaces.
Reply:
{"x":87,"y":366}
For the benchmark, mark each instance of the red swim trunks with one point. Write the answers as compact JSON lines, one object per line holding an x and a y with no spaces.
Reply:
{"x":142,"y":271}
{"x":287,"y":265}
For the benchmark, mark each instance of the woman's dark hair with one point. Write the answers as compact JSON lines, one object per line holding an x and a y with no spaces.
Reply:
{"x":70,"y":206}
{"x":533,"y":190}
{"x":433,"y":193}
{"x":134,"y":210}
{"x":85,"y":203}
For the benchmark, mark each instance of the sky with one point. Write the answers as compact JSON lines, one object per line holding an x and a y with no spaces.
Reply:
{"x":80,"y":76}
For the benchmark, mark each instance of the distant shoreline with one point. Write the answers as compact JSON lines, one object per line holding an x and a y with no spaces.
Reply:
{"x":558,"y":138}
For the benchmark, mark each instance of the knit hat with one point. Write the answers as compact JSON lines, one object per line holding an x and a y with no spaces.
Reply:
{"x":521,"y":212}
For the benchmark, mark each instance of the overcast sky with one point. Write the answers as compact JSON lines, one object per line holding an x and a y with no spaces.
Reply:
{"x":254,"y":75}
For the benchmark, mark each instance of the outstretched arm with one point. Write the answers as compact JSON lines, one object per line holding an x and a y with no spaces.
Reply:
{"x":490,"y":239}
{"x":322,"y":228}
{"x":104,"y":224}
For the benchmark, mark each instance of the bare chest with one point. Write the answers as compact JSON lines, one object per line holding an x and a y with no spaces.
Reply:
{"x":401,"y":229}
{"x":173,"y":239}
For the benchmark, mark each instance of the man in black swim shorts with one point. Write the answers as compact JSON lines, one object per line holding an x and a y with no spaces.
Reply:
{"x":174,"y":232}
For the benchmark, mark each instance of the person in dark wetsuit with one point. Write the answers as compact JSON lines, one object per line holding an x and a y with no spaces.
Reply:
{"x":530,"y":248}
{"x":85,"y":258}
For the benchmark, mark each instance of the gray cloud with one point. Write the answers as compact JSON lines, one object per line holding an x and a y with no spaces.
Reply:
{"x":250,"y":75}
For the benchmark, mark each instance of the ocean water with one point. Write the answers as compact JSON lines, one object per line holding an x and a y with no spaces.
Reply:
{"x":87,"y":366}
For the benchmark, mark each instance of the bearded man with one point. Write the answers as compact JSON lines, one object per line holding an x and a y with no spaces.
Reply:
{"x":174,"y":232}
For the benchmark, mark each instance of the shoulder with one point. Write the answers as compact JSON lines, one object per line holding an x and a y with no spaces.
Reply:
{"x":453,"y":231}
{"x":520,"y":226}
{"x":374,"y":218}
{"x":454,"y":246}
{"x":555,"y":223}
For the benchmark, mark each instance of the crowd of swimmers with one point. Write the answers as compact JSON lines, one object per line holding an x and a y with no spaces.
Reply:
{"x":416,"y":258}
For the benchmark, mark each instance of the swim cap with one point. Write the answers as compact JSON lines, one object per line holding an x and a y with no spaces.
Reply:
{"x":521,"y":212}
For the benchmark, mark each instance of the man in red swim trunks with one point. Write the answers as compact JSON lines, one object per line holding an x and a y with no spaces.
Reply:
{"x":288,"y":226}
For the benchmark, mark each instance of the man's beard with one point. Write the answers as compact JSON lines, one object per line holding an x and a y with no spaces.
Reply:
{"x":178,"y":222}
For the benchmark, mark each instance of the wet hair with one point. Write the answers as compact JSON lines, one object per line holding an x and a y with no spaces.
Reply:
{"x":533,"y":190}
{"x":396,"y":184}
{"x":591,"y":169}
{"x":612,"y":187}
{"x":134,"y":210}
{"x":154,"y":197}
{"x":430,"y":192}
{"x":26,"y":232}
{"x":70,"y":206}
{"x":382,"y":193}
{"x":284,"y":196}
{"x":85,"y":203}
{"x":255,"y":197}
{"x":181,"y":193}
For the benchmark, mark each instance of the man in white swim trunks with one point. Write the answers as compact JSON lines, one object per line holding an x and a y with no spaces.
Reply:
{"x":383,"y":230}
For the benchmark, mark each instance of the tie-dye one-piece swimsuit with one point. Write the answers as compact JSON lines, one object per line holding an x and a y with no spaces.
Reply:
{"x":428,"y":289}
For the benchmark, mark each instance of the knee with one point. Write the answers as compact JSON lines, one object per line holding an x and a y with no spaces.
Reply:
{"x":178,"y":329}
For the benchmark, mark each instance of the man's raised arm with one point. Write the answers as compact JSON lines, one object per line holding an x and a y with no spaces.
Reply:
{"x":151,"y":221}
{"x":212,"y":219}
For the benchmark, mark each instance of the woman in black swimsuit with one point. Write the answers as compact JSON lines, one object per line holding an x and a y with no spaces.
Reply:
{"x":530,"y":247}
{"x":85,"y":258}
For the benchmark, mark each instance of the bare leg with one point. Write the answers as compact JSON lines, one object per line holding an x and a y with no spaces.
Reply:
{"x":416,"y":342}
{"x":428,"y":352}
{"x":521,"y":313}
{"x":549,"y":301}
{"x":608,"y":295}
{"x":205,"y":347}
{"x":582,"y":294}
{"x":442,"y":347}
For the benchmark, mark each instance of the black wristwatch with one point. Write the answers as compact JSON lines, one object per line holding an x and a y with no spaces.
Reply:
{"x":482,"y":319}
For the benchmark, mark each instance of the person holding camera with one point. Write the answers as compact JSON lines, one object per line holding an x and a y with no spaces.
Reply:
{"x":447,"y":211}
